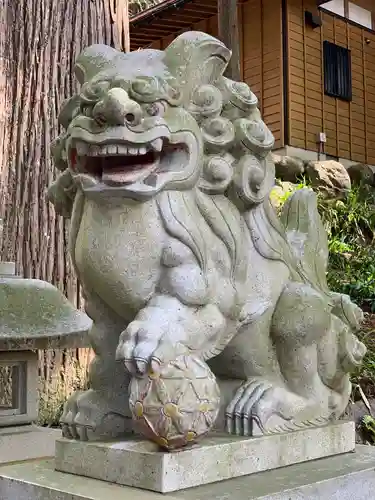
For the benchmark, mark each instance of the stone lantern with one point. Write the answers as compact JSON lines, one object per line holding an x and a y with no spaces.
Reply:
{"x":33,"y":315}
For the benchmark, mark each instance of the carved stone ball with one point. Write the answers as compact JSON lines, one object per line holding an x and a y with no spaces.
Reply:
{"x":176,"y":406}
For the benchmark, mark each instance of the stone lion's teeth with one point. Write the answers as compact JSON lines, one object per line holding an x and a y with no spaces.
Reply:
{"x":94,"y":150}
{"x":103,"y":150}
{"x":122,"y":150}
{"x":112,"y":150}
{"x":82,"y":148}
{"x":157,"y":144}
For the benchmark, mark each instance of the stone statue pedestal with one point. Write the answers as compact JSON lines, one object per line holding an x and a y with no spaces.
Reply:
{"x":140,"y":464}
{"x":349,"y":476}
{"x":339,"y":475}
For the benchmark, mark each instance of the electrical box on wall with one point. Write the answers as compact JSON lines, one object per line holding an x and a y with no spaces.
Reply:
{"x":322,"y":138}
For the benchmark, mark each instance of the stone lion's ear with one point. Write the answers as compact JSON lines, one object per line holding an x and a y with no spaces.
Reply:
{"x":194,"y":59}
{"x":92,"y":60}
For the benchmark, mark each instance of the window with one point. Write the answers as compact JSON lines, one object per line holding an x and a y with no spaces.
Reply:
{"x":352,"y":10}
{"x":335,"y":6}
{"x":360,"y":16}
{"x":337,"y":71}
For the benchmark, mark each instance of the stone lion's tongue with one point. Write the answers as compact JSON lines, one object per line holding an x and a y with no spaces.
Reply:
{"x":124,"y":169}
{"x":125,"y":174}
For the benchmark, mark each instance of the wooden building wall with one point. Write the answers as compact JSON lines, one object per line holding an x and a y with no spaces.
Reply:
{"x":263,"y":60}
{"x":260,"y":23}
{"x":349,"y":126}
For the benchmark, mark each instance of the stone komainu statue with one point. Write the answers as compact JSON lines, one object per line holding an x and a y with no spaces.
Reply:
{"x":166,"y":175}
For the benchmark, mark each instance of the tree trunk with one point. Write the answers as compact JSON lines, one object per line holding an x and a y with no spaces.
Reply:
{"x":39,"y":42}
{"x":228,"y":34}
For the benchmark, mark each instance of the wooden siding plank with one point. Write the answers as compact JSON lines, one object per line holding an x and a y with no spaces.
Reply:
{"x":262,"y":60}
{"x":349,"y":126}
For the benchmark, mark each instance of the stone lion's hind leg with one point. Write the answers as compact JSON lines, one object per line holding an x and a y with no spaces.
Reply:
{"x":251,"y":357}
{"x":298,"y":398}
{"x":301,"y":320}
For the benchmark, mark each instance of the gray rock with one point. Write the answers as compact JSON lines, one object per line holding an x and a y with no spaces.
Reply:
{"x":288,"y":168}
{"x":360,"y":173}
{"x":330,"y":177}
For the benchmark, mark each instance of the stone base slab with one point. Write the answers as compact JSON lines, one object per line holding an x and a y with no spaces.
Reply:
{"x":343,"y":477}
{"x":27,"y":442}
{"x":140,"y":464}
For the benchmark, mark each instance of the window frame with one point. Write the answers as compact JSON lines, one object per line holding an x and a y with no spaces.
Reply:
{"x":345,"y":71}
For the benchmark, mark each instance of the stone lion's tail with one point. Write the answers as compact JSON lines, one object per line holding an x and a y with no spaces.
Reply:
{"x":308,"y":242}
{"x":307,"y":238}
{"x":296,"y":238}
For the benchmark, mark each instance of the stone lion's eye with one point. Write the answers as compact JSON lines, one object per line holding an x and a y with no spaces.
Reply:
{"x":102,"y":86}
{"x":156,"y":109}
{"x":141,"y":86}
{"x":145,"y":86}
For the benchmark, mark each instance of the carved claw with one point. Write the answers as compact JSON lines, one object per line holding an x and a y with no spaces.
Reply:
{"x":84,"y":413}
{"x":143,"y":346}
{"x":239,"y":410}
{"x":256,"y":401}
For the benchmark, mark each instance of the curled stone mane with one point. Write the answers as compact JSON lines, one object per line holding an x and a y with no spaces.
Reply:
{"x":236,"y":164}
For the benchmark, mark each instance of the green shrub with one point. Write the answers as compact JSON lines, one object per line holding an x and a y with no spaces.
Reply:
{"x":350,"y":225}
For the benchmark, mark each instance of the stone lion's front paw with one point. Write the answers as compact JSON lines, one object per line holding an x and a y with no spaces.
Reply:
{"x":145,"y":346}
{"x":88,"y":413}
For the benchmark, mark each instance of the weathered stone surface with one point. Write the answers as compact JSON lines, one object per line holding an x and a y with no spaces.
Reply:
{"x":330,"y":177}
{"x":360,"y":173}
{"x":26,"y":442}
{"x":35,"y":315}
{"x":166,"y":176}
{"x":288,"y":168}
{"x":218,"y":457}
{"x":344,"y":477}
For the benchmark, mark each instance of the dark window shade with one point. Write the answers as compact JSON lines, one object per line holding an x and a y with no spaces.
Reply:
{"x":337,"y":71}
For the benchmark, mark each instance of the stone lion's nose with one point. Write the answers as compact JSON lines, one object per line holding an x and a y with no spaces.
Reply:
{"x":116,"y":108}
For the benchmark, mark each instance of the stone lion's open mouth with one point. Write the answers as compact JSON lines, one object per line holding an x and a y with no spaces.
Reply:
{"x":119,"y":164}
